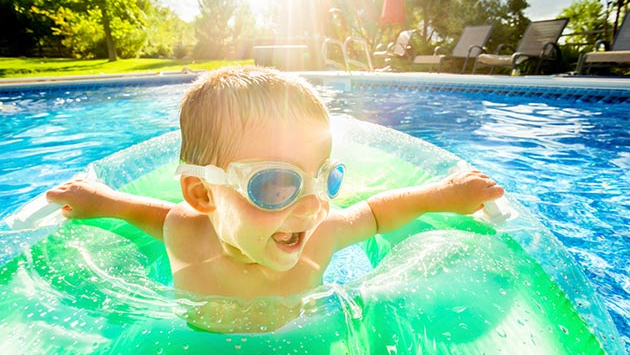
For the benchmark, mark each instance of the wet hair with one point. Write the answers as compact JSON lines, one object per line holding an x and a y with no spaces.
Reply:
{"x":225,"y":103}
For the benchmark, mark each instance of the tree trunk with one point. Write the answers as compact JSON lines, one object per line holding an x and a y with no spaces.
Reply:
{"x":425,"y":24}
{"x":111,"y":48}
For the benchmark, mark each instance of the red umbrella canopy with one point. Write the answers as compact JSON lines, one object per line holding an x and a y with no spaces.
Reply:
{"x":393,"y":12}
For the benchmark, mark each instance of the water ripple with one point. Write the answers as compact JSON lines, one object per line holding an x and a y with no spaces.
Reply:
{"x":568,"y":162}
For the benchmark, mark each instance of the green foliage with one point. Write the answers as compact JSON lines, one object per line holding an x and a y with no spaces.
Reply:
{"x":76,"y":28}
{"x":213,"y":28}
{"x":166,"y":34}
{"x":23,"y":31}
{"x":224,"y":29}
{"x":440,"y":23}
{"x":587,"y":21}
{"x":356,"y":18}
{"x":507,"y":17}
{"x":79,"y":33}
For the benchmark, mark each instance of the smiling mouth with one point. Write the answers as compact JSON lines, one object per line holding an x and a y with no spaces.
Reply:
{"x":288,"y":241}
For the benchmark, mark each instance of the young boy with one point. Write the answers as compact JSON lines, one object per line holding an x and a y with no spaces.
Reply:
{"x":257,"y":177}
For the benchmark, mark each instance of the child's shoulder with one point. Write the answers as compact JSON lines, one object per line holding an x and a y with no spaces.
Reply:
{"x":182,"y":219}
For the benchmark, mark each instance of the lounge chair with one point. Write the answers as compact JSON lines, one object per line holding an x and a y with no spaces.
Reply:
{"x":539,"y":42}
{"x":619,"y":51}
{"x":401,"y":49}
{"x":470,"y":45}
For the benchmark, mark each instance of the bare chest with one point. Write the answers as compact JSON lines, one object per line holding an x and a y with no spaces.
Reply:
{"x":223,"y":277}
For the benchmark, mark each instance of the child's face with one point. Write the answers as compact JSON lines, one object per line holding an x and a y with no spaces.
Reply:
{"x":274,"y":239}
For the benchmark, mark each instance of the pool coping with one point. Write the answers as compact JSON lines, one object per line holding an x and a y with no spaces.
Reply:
{"x":555,"y":81}
{"x":12,"y":84}
{"x":608,"y":90}
{"x":567,"y":81}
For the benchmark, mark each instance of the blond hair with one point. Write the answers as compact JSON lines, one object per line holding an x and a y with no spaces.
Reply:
{"x":225,"y":103}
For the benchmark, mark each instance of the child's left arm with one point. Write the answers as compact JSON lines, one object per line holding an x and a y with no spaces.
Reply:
{"x":463,"y":192}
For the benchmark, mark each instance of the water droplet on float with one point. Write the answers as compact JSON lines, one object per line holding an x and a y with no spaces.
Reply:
{"x":501,"y":333}
{"x":459,"y":309}
{"x":563,"y":328}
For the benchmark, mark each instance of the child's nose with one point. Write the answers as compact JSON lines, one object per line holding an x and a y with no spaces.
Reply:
{"x":306,"y":213}
{"x":307,"y":207}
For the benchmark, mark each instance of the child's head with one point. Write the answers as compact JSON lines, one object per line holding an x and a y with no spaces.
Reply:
{"x":226,"y":103}
{"x":268,"y":139}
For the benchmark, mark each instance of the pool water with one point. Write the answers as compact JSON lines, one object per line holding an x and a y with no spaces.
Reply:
{"x":48,"y":136}
{"x":568,"y":162}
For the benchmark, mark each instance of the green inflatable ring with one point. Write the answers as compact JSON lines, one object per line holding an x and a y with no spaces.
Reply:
{"x":444,"y":284}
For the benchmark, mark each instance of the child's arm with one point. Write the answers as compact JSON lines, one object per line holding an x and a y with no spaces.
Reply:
{"x":463,"y":192}
{"x":83,"y":199}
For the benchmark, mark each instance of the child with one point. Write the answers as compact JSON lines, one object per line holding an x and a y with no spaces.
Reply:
{"x":257,"y":177}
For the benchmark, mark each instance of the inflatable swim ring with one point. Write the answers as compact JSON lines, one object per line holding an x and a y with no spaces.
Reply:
{"x":444,"y":284}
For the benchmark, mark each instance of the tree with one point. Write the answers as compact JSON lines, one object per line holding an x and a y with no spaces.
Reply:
{"x":89,"y":28}
{"x":587,"y":21}
{"x":107,"y":30}
{"x":76,"y":23}
{"x":129,"y":15}
{"x":167,"y":35}
{"x":25,"y":32}
{"x":442,"y":22}
{"x":351,"y":18}
{"x":212,"y":28}
{"x":429,"y":11}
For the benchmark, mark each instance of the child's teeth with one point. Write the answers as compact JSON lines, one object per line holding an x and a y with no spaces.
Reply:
{"x":287,"y":238}
{"x":295,"y":237}
{"x":282,"y":237}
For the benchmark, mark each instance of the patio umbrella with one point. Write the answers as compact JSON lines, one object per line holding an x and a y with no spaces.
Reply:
{"x":393,"y":12}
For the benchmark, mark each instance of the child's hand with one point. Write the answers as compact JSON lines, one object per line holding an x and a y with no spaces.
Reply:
{"x":465,"y":191}
{"x":83,"y":199}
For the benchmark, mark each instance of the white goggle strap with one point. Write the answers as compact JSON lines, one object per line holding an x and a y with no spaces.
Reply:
{"x":210,"y":173}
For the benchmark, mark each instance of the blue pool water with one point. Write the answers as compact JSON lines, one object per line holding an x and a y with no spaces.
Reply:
{"x":567,"y":161}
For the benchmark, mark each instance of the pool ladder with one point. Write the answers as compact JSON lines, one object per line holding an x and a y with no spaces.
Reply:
{"x":348,"y":62}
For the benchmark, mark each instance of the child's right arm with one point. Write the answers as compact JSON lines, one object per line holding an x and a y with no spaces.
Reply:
{"x":463,"y":192}
{"x":82,"y":199}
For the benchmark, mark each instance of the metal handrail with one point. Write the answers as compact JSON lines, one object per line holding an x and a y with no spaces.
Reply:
{"x":357,"y":63}
{"x":327,"y":61}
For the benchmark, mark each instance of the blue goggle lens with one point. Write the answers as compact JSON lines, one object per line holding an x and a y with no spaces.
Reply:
{"x":273,"y":189}
{"x":335,"y":178}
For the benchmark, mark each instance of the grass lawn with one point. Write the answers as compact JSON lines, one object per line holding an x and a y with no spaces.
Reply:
{"x":40,"y":67}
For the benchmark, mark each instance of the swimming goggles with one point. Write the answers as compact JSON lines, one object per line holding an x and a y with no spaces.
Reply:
{"x":271,"y":186}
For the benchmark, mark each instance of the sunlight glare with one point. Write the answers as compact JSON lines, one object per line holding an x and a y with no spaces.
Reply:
{"x":258,"y":6}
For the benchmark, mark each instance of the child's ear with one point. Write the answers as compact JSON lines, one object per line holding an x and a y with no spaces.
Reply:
{"x":197,"y":194}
